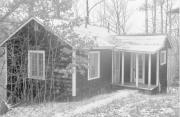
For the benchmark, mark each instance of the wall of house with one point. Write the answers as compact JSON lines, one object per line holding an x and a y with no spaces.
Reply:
{"x":57,"y":81}
{"x":85,"y":87}
{"x":153,"y":69}
{"x":163,"y":74}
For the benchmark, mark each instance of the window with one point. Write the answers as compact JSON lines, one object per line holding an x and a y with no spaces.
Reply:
{"x":36,"y":64}
{"x":94,"y":65}
{"x":163,"y":57}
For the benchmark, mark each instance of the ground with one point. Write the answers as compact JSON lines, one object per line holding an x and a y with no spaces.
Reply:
{"x":122,"y":103}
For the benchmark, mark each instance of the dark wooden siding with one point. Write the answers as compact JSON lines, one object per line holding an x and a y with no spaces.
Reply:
{"x":153,"y":69}
{"x":57,"y":58}
{"x":85,"y":87}
{"x":163,"y":74}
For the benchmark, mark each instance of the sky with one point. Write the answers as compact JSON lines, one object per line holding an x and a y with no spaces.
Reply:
{"x":136,"y":22}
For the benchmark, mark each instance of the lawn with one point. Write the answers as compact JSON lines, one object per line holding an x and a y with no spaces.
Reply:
{"x":139,"y":105}
{"x":123,"y":103}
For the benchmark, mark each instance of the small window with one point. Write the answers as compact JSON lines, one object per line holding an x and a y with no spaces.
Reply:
{"x":94,"y":65}
{"x":163,"y":57}
{"x":36,"y":64}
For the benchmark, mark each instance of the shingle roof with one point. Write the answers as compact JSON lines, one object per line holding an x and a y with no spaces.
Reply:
{"x":104,"y":39}
{"x":144,"y":44}
{"x":99,"y":35}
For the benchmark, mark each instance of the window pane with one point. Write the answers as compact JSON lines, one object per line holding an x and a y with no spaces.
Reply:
{"x":93,"y":64}
{"x":40,"y":65}
{"x":34,"y":64}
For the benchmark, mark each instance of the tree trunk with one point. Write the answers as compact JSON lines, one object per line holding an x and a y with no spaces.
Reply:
{"x":87,"y":13}
{"x":162,"y":22}
{"x":167,"y":7}
{"x":154,"y":21}
{"x":146,"y":14}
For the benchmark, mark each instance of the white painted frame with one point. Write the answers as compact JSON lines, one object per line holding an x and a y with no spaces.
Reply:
{"x":74,"y":73}
{"x":137,"y":70}
{"x":131,"y":66}
{"x":157,"y":69}
{"x":163,"y":54}
{"x":98,"y":76}
{"x":149,"y":70}
{"x":122,"y":73}
{"x":38,"y":52}
{"x":112,"y":80}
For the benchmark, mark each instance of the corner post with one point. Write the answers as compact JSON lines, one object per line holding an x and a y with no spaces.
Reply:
{"x":74,"y":73}
{"x":122,"y":69}
{"x":137,"y":70}
{"x":131,"y":70}
{"x":157,"y":69}
{"x":149,"y":71}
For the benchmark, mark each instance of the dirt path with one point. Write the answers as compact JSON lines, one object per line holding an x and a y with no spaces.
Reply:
{"x":96,"y":104}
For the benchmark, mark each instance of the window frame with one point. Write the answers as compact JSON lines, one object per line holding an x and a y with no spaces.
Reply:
{"x":98,"y":76}
{"x":163,"y":54}
{"x":29,"y":64}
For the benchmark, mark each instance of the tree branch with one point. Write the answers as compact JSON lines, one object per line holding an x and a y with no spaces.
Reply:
{"x":95,"y":5}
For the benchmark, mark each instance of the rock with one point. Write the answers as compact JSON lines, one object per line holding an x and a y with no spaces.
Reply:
{"x":3,"y":107}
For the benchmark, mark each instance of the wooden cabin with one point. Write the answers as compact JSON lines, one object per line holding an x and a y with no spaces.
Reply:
{"x":37,"y":64}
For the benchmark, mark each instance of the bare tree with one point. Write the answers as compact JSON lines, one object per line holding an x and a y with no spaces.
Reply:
{"x":154,"y":16}
{"x":146,"y":14}
{"x":117,"y":15}
{"x":89,"y":9}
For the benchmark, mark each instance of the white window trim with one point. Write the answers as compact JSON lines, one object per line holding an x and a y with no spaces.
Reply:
{"x":163,"y":52}
{"x":89,"y":78}
{"x":40,"y":52}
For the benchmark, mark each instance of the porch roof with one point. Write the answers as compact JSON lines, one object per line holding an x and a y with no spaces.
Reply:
{"x":144,"y":44}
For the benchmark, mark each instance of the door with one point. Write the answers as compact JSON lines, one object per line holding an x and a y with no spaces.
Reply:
{"x":141,"y":67}
{"x":116,"y":67}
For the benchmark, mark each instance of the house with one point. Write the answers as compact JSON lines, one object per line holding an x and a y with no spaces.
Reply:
{"x":37,"y":64}
{"x":173,"y":54}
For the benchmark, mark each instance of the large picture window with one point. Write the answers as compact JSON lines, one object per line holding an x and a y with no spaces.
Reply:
{"x":94,"y":65}
{"x":36,"y":64}
{"x":163,"y":57}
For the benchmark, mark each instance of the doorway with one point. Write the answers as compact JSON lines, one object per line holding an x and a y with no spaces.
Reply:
{"x":116,"y":70}
{"x":141,"y":67}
